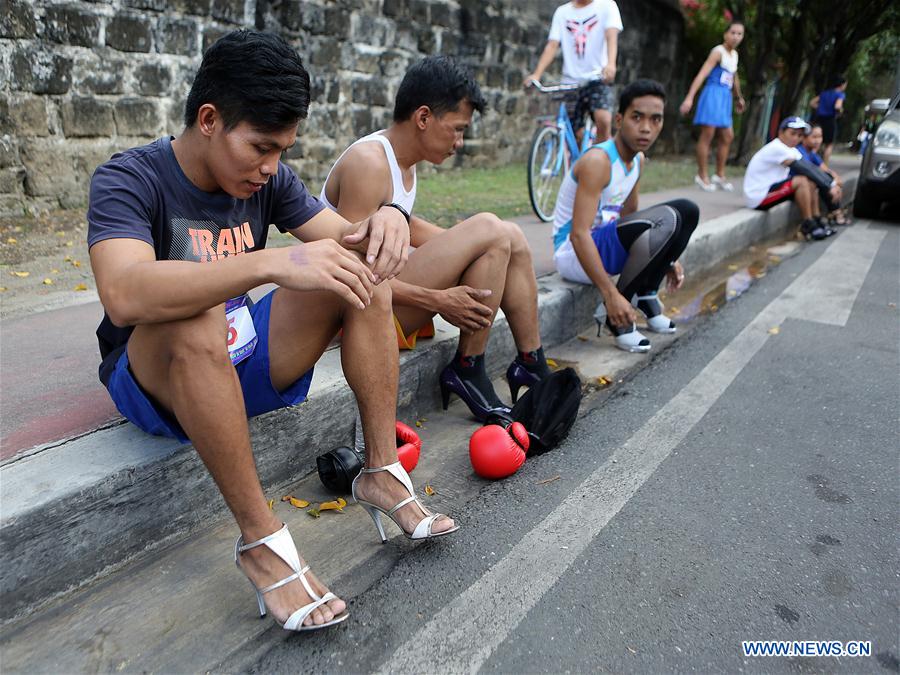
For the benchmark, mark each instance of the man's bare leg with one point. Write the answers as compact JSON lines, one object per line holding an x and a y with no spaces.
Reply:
{"x":184,"y":366}
{"x":803,"y":196}
{"x":475,"y":253}
{"x":603,"y":123}
{"x":519,"y":302}
{"x":369,"y":358}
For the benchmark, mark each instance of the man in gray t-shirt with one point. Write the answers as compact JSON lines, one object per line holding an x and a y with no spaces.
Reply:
{"x":177,"y":231}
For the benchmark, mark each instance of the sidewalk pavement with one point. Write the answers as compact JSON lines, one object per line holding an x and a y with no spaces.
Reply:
{"x":68,"y":457}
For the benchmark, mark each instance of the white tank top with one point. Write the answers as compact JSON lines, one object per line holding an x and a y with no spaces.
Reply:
{"x":728,"y":60}
{"x":401,"y":196}
{"x":621,"y":183}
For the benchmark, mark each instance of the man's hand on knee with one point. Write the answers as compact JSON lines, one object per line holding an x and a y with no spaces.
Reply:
{"x":324,"y":265}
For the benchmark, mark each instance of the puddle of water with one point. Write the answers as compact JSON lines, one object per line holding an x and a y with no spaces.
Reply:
{"x":711,"y":298}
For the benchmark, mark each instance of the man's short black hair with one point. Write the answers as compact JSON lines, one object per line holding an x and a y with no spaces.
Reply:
{"x":438,"y":82}
{"x":836,"y":81}
{"x":640,"y":88}
{"x":251,"y":77}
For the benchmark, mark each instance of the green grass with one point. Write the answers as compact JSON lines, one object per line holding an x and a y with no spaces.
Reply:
{"x":446,"y":197}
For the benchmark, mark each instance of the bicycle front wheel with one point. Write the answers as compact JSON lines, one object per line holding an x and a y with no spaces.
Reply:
{"x":547,"y":165}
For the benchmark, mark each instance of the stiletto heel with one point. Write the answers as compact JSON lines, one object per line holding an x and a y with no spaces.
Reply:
{"x":445,"y":394}
{"x":422,"y":529}
{"x":479,"y":402}
{"x":281,"y":544}
{"x":518,"y":376}
{"x":375,"y":515}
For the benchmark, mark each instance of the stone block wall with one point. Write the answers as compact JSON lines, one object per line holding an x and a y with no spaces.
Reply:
{"x":80,"y":80}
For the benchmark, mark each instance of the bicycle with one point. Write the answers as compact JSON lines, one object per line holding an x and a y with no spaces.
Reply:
{"x":554,"y":148}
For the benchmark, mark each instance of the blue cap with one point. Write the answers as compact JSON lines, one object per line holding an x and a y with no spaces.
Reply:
{"x":794,"y":122}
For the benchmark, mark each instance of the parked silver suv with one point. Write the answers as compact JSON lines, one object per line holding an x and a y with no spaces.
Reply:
{"x":879,"y":175}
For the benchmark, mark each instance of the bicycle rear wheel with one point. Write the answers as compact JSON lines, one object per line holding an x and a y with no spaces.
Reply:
{"x":545,"y":172}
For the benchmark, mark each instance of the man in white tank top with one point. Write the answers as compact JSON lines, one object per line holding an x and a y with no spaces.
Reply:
{"x":464,"y":273}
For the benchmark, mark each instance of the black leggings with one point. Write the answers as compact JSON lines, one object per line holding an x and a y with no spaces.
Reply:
{"x":654,"y":238}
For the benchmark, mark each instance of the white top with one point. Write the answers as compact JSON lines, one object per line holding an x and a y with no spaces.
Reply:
{"x":609,"y":209}
{"x":765,"y":169}
{"x":581,"y":33}
{"x":402,"y":196}
{"x":728,"y":60}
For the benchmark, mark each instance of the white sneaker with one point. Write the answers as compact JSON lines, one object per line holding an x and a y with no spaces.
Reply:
{"x":722,"y":183}
{"x":703,"y":185}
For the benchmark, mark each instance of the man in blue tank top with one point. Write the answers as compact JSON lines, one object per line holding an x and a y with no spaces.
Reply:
{"x":464,"y":273}
{"x":177,"y":231}
{"x":599,"y":233}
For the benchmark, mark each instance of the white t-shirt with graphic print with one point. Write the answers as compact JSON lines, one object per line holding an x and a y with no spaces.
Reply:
{"x":581,"y":32}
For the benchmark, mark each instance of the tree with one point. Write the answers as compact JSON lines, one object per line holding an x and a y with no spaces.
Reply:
{"x":799,"y":44}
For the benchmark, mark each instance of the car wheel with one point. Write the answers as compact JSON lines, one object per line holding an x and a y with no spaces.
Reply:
{"x":864,"y":205}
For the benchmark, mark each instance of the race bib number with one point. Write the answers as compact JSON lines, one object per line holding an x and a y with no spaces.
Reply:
{"x":726,"y":79}
{"x":242,"y":336}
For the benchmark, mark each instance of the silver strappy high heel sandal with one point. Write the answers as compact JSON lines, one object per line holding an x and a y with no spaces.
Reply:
{"x":282,"y":545}
{"x":423,"y":528}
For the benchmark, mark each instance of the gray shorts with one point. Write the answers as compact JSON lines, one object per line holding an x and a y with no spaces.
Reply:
{"x":593,"y":96}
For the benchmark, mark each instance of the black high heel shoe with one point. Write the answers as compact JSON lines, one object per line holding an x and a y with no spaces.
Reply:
{"x":481,"y":404}
{"x":518,"y":376}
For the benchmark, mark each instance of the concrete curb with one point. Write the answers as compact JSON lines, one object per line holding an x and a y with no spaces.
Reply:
{"x":79,"y":509}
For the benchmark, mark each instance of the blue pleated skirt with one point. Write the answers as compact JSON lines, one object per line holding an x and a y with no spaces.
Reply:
{"x":714,"y":106}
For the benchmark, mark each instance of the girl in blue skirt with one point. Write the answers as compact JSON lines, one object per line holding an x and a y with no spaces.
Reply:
{"x":713,"y":113}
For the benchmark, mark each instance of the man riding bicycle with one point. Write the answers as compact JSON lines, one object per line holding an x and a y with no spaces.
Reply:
{"x":588,"y":31}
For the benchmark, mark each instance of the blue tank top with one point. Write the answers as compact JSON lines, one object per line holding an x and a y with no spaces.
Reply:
{"x":621,"y":183}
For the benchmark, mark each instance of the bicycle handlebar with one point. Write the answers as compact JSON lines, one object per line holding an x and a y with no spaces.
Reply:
{"x":555,"y":88}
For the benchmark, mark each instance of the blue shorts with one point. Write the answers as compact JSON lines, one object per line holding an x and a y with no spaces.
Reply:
{"x":253,"y":372}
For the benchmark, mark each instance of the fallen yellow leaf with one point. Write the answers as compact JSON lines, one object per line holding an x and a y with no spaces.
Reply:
{"x":313,"y":512}
{"x":552,"y":363}
{"x":70,"y":244}
{"x":337,"y":505}
{"x":271,"y":504}
{"x":604,"y":381}
{"x":732,"y":267}
{"x":54,"y":271}
{"x":775,"y":330}
{"x":21,"y":275}
{"x":80,"y":287}
{"x":286,"y":498}
{"x":75,"y":263}
{"x":48,"y":281}
{"x":2,"y":289}
{"x":419,"y":423}
{"x":60,"y":233}
{"x":68,"y":258}
{"x":582,"y":338}
{"x":12,"y":240}
{"x":429,"y":490}
{"x":298,"y":503}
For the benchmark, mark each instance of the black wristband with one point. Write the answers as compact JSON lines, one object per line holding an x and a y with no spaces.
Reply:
{"x":394,"y":205}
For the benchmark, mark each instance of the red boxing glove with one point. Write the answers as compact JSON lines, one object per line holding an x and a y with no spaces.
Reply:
{"x":496,"y":452}
{"x":409,"y":446}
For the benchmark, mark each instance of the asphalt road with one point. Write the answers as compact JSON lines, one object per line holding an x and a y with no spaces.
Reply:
{"x":742,"y":487}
